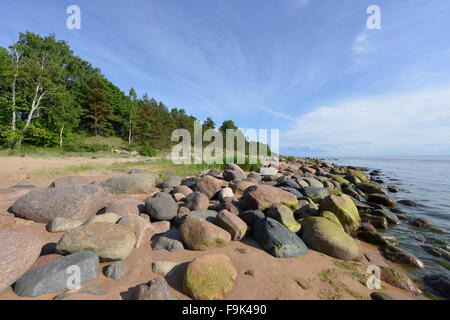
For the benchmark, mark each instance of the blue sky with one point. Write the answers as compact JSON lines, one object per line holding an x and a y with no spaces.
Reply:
{"x":310,"y":68}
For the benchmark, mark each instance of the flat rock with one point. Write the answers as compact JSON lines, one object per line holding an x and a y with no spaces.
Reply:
{"x":131,"y":184}
{"x":69,"y":181}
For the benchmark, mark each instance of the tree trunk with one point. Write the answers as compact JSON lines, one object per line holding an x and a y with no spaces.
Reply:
{"x":129,"y":133}
{"x":61,"y":137}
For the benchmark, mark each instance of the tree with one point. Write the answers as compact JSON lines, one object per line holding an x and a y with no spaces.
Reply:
{"x":208,"y":124}
{"x":133,"y":105}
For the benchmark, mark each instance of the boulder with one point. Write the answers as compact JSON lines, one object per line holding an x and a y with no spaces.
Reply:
{"x":396,"y":254}
{"x":390,"y":217}
{"x":161,"y":207}
{"x":18,"y":254}
{"x":209,"y":186}
{"x":251,"y":216}
{"x":69,"y":181}
{"x":54,"y":276}
{"x":141,"y":228}
{"x":183,"y":190}
{"x":232,"y":223}
{"x":322,"y":235}
{"x":103,"y":218}
{"x":234,"y":167}
{"x":201,"y":235}
{"x":278,"y":240}
{"x":233,"y":175}
{"x":382,"y":199}
{"x":63,"y":224}
{"x":170,"y":241}
{"x":262,"y":197}
{"x":239,"y":187}
{"x":332,"y":217}
{"x":197,"y":201}
{"x":211,"y":277}
{"x":76,"y":202}
{"x":284,"y":215}
{"x":439,"y":283}
{"x":156,"y":289}
{"x":116,"y":270}
{"x":131,"y":184}
{"x":399,"y":280}
{"x":164,"y":268}
{"x":344,"y":209}
{"x":315,"y":193}
{"x":225,"y":193}
{"x":172,"y":182}
{"x":123,"y":207}
{"x":110,"y":242}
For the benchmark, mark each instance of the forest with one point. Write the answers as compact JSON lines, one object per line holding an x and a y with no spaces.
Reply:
{"x":49,"y":97}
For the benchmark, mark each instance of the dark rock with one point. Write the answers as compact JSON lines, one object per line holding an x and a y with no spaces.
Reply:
{"x":420,"y":223}
{"x":250,"y":272}
{"x":134,"y":171}
{"x":439,"y":283}
{"x":190,"y":182}
{"x":399,"y":280}
{"x":409,"y":203}
{"x":437,"y":252}
{"x":116,"y":270}
{"x":382,"y":199}
{"x":157,"y":289}
{"x":380,"y":296}
{"x":233,"y":175}
{"x":251,"y":216}
{"x":396,"y":254}
{"x":161,"y":207}
{"x":390,"y":217}
{"x":392,"y":189}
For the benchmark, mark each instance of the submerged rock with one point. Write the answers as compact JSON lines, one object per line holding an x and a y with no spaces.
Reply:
{"x":440,"y":283}
{"x":399,"y":280}
{"x":399,"y":255}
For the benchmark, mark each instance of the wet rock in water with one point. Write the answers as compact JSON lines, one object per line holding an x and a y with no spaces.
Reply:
{"x":251,"y":216}
{"x":116,"y":270}
{"x":390,"y":217}
{"x":201,"y":235}
{"x":7,"y":220}
{"x":164,"y":268}
{"x":197,"y":201}
{"x":161,"y":207}
{"x":409,"y":203}
{"x":380,"y":296}
{"x":376,"y":221}
{"x":75,"y":202}
{"x":262,"y":197}
{"x":399,"y":280}
{"x":69,"y":181}
{"x":382,"y":199}
{"x":437,"y":252}
{"x":421,"y":223}
{"x":92,"y":289}
{"x":373,"y":238}
{"x":322,"y":235}
{"x":123,"y":207}
{"x":131,"y":184}
{"x":344,"y":209}
{"x":366,"y":226}
{"x":18,"y":254}
{"x":315,"y":193}
{"x":439,"y":283}
{"x":419,"y":238}
{"x":157,"y":289}
{"x":393,"y":189}
{"x":233,"y":224}
{"x":54,"y":276}
{"x":403,"y":217}
{"x":371,"y":187}
{"x":396,"y":254}
{"x":63,"y":224}
{"x":284,"y":215}
{"x":209,"y":186}
{"x":211,"y":277}
{"x":110,"y":242}
{"x":278,"y":240}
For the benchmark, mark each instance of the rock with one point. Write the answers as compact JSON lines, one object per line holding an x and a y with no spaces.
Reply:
{"x":360,"y":175}
{"x":322,"y":235}
{"x":123,"y":207}
{"x":373,"y":238}
{"x":380,"y":296}
{"x":104,"y":218}
{"x":210,"y":277}
{"x":239,"y":187}
{"x":421,"y":223}
{"x":251,"y":216}
{"x":409,"y":203}
{"x":234,"y":167}
{"x":250,"y":272}
{"x":110,"y":242}
{"x":161,"y":226}
{"x":183,"y":190}
{"x":344,"y":209}
{"x":93,"y":289}
{"x":178,"y":197}
{"x":170,"y":241}
{"x":231,"y":205}
{"x":293,"y":191}
{"x":161,"y":207}
{"x":315,"y":193}
{"x":376,"y":221}
{"x":141,"y":228}
{"x":75,"y":202}
{"x":278,"y":240}
{"x":190,"y":182}
{"x":172,"y":182}
{"x":437,"y":252}
{"x":284,"y":215}
{"x":116,"y":270}
{"x":254,"y":176}
{"x":262,"y":197}
{"x":371,"y":187}
{"x":366,"y":226}
{"x":393,"y":189}
{"x":268,"y":172}
{"x":390,"y":217}
{"x":382,"y":199}
{"x":233,"y":175}
{"x":69,"y":181}
{"x":63,"y":224}
{"x":306,"y":208}
{"x":399,"y":280}
{"x":18,"y":254}
{"x":157,"y":289}
{"x":209,"y":186}
{"x":225,"y":193}
{"x":197,"y":201}
{"x":131,"y":184}
{"x":54,"y":276}
{"x":134,"y":171}
{"x":396,"y":254}
{"x":7,"y":220}
{"x":332,"y":217}
{"x":201,"y":235}
{"x":233,"y":224}
{"x":164,"y":268}
{"x":439,"y":283}
{"x":44,"y":259}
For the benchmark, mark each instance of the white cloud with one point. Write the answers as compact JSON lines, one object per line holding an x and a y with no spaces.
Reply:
{"x":404,"y":123}
{"x":361,"y":43}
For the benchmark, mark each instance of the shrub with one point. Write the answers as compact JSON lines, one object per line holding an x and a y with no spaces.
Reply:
{"x":147,"y":151}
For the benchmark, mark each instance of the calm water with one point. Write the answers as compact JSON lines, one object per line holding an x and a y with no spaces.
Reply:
{"x":425,"y":180}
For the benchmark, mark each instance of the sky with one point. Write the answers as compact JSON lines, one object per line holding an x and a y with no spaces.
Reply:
{"x":310,"y":68}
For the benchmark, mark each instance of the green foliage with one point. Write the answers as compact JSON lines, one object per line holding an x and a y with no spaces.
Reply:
{"x":291,"y":159}
{"x":147,"y":151}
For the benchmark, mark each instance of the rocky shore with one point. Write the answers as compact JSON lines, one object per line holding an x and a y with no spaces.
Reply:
{"x":308,"y":211}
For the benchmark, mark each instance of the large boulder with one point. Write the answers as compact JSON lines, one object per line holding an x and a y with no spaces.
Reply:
{"x":172,"y":182}
{"x":76,"y":202}
{"x":209,"y":186}
{"x":344,"y":209}
{"x":396,"y":254}
{"x":201,"y":235}
{"x":197,"y":201}
{"x":54,"y":276}
{"x":141,"y":228}
{"x":110,"y":242}
{"x":371,"y":187}
{"x":68,"y":181}
{"x":360,"y":175}
{"x":382,"y":199}
{"x":232,"y":223}
{"x":262,"y":197}
{"x":284,"y":215}
{"x":161,"y":207}
{"x":322,"y":235}
{"x":210,"y":277}
{"x":18,"y":253}
{"x":233,"y":175}
{"x":278,"y":240}
{"x":239,"y":187}
{"x":251,"y":217}
{"x":315,"y":193}
{"x":131,"y":184}
{"x":399,"y":280}
{"x":123,"y":207}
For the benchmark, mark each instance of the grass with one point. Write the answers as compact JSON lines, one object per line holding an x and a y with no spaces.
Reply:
{"x":335,"y":288}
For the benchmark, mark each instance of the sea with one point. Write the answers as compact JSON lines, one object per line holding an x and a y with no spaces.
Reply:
{"x":425,"y":180}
